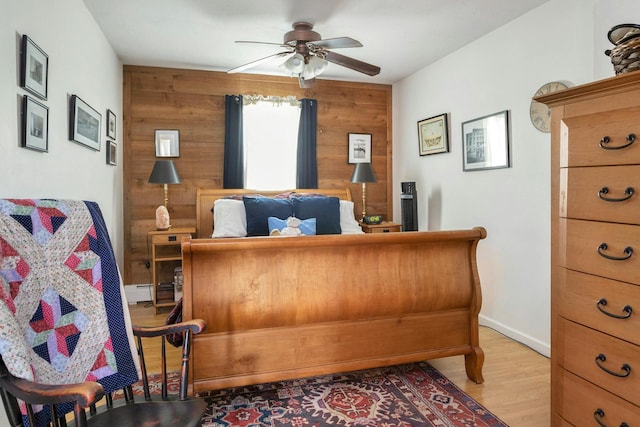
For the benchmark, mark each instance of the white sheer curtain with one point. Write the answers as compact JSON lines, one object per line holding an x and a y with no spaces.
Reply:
{"x":270,"y":128}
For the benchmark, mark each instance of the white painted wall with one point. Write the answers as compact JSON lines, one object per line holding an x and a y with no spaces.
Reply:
{"x":81,"y":62}
{"x":560,"y":40}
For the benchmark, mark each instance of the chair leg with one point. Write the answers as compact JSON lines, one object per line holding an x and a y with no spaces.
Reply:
{"x":80,"y":416}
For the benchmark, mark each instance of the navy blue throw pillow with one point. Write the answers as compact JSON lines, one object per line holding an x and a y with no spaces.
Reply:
{"x":326,"y":211}
{"x":260,"y":208}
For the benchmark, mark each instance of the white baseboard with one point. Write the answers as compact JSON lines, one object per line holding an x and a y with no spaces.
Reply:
{"x":138,"y":293}
{"x":533,"y":343}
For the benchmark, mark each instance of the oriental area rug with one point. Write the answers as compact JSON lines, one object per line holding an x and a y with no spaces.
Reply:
{"x":414,"y":394}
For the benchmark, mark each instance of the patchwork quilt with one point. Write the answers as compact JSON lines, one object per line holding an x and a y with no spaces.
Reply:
{"x":63,"y":316}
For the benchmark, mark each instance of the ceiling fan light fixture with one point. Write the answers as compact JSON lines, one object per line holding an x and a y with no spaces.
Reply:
{"x":295,"y":64}
{"x":314,"y":67}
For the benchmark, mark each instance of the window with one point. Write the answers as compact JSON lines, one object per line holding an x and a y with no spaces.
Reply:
{"x":270,"y":129}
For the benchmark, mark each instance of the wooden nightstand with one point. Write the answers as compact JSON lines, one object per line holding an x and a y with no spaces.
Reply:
{"x":383,"y":227}
{"x":166,"y":255}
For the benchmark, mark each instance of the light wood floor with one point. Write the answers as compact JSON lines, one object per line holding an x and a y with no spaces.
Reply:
{"x":517,"y":381}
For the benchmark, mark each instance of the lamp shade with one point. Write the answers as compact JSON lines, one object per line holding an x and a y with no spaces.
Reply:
{"x":164,"y":172}
{"x":363,"y":172}
{"x":295,"y":64}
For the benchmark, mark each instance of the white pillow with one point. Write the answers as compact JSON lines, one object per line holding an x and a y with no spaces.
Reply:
{"x":348,"y":222}
{"x":229,"y":218}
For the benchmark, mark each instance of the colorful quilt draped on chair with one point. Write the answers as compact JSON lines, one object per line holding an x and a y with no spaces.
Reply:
{"x":63,"y":316}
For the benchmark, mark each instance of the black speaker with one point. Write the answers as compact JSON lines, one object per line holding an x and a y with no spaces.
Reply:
{"x":409,"y":205}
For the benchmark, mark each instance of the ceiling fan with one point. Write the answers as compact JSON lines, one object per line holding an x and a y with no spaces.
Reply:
{"x":307,"y":55}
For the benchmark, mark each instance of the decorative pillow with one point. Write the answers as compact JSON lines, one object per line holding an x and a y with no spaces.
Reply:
{"x":326,"y":211}
{"x":307,"y":226}
{"x":229,"y":218}
{"x":258,"y":209}
{"x":348,"y":222}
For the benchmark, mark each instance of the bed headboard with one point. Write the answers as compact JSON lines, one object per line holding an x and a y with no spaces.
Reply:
{"x":206,"y":196}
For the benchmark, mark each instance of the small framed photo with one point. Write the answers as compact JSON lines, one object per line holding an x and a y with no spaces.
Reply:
{"x":485,"y":142}
{"x":433,"y":135}
{"x":111,"y":124}
{"x":34,"y":68}
{"x":359,"y":148}
{"x":35,"y":125}
{"x":112,"y":152}
{"x":168,"y":143}
{"x":84,"y":123}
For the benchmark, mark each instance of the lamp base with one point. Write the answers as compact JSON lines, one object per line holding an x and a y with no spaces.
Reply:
{"x":163,"y":221}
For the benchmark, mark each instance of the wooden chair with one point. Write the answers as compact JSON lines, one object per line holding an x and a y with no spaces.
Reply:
{"x":147,"y":410}
{"x":29,"y":401}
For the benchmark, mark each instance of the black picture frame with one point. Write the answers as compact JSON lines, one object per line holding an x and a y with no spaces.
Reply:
{"x":111,"y":124}
{"x":485,"y":142}
{"x":167,"y":142}
{"x":112,"y":153}
{"x":433,"y":135}
{"x":34,"y":68}
{"x":85,"y":123}
{"x":359,"y":148}
{"x":35,"y":125}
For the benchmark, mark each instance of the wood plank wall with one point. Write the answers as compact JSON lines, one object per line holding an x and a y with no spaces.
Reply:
{"x":192,"y":101}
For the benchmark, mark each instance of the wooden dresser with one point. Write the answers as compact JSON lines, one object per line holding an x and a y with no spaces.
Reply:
{"x":595,"y":265}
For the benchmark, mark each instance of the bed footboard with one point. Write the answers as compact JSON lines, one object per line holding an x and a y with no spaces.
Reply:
{"x":287,"y":307}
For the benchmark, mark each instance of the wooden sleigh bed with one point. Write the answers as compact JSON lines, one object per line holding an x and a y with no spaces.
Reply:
{"x":288,"y":307}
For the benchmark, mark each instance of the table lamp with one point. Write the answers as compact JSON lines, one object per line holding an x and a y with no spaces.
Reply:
{"x":164,"y":172}
{"x":363,"y":173}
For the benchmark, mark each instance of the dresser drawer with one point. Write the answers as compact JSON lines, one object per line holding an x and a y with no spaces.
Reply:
{"x":580,"y":139}
{"x":590,"y":354}
{"x":587,"y":299}
{"x":608,"y":193}
{"x":579,"y":401}
{"x":581,"y":248}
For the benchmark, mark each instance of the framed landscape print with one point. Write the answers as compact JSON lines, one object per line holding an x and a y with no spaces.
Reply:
{"x":359,"y":148}
{"x":84,"y":123}
{"x":34,"y":68}
{"x":485,"y":142}
{"x":35,"y":125}
{"x":433,"y":135}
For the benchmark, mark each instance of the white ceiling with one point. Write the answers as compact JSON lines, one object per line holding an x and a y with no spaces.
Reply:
{"x":400,"y":36}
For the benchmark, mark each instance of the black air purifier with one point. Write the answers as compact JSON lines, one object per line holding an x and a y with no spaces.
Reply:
{"x":409,"y":205}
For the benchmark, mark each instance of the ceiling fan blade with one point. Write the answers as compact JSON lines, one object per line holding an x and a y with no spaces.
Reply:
{"x":257,"y":62}
{"x":337,"y":43}
{"x":254,"y":42}
{"x":354,"y":64}
{"x":306,"y":83}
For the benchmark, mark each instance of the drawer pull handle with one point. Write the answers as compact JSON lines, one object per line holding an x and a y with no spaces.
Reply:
{"x":603,"y":247}
{"x":631,"y":138}
{"x":625,"y":367}
{"x":600,"y":414}
{"x":627,"y":310}
{"x":605,"y":190}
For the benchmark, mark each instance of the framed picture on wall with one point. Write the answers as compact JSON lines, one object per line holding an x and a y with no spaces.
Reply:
{"x":35,"y":125}
{"x":433,"y":135}
{"x":359,"y":148}
{"x":112,"y":152}
{"x":485,"y":142}
{"x":111,"y":124}
{"x":34,"y":68}
{"x":167,"y":143}
{"x":84,"y":123}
